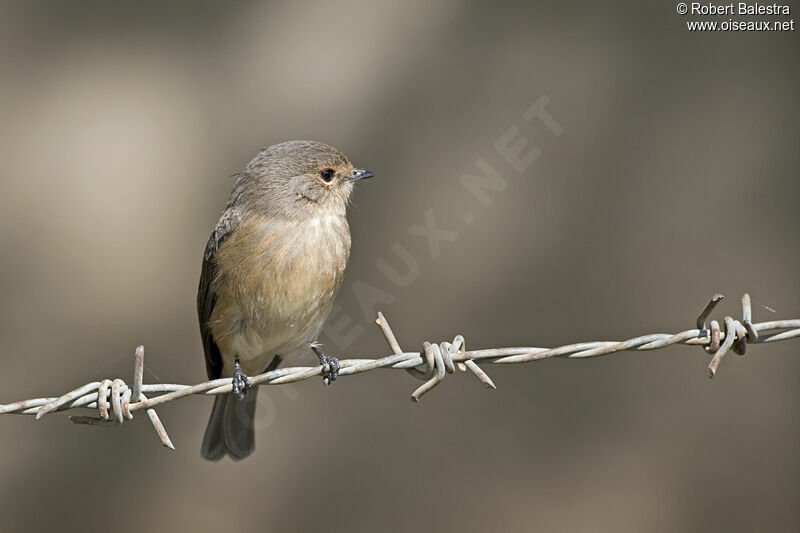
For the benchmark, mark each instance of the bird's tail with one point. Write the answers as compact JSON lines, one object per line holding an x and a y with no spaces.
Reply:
{"x":230,"y":429}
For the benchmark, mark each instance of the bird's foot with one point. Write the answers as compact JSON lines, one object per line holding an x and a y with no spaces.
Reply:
{"x":241,"y":385}
{"x":330,"y":366}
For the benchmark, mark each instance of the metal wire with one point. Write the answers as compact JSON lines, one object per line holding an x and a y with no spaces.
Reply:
{"x":116,"y":401}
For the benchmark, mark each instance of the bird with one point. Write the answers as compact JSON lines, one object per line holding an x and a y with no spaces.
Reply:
{"x":271,"y":270}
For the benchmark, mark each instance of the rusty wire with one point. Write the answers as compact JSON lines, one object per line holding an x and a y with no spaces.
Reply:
{"x":116,"y":401}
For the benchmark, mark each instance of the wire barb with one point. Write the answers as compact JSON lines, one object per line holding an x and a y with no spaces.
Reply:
{"x":116,"y":401}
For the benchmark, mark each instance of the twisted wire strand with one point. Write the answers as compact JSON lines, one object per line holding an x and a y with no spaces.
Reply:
{"x":117,"y":401}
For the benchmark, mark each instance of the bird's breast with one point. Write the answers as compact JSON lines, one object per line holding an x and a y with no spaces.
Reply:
{"x":276,"y":282}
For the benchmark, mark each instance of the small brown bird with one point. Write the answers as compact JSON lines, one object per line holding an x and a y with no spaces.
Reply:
{"x":271,"y":271}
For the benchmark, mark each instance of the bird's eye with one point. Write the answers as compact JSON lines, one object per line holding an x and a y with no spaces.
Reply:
{"x":326,"y":175}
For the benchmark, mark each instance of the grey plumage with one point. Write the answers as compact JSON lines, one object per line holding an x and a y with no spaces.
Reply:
{"x":230,"y":429}
{"x":271,"y":270}
{"x":206,"y":297}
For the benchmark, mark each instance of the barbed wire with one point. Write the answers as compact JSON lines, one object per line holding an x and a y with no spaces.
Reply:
{"x":116,"y":401}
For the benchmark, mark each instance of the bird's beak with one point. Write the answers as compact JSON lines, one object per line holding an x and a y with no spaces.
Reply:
{"x":360,"y":174}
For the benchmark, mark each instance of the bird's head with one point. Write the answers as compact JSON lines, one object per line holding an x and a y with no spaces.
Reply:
{"x":299,"y":178}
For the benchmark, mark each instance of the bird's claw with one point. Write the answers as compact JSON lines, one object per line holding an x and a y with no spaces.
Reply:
{"x":330,"y":369}
{"x":241,"y":385}
{"x":330,"y":365}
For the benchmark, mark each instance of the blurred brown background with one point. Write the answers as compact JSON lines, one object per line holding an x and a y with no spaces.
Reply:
{"x":675,"y":177}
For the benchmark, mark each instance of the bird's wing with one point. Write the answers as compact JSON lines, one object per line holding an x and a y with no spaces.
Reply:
{"x":206,"y":296}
